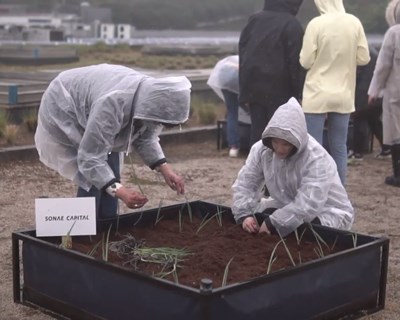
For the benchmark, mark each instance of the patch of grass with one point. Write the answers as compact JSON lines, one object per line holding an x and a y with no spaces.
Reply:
{"x":3,"y":121}
{"x":31,"y":120}
{"x":10,"y":133}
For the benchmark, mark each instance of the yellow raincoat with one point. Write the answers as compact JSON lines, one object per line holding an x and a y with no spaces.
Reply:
{"x":333,"y":45}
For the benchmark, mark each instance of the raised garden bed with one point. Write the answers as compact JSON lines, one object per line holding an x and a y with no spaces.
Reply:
{"x":226,"y":273}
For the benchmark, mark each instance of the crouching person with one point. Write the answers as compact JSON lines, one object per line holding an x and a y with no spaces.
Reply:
{"x":300,"y":175}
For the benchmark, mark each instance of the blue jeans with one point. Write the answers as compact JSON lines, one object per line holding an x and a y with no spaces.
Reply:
{"x":337,"y":127}
{"x":232,"y":119}
{"x":106,"y":205}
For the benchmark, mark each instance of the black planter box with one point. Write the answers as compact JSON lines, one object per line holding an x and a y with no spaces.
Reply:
{"x":350,"y":283}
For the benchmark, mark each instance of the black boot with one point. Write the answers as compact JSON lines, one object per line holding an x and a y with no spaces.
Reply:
{"x":394,"y":180}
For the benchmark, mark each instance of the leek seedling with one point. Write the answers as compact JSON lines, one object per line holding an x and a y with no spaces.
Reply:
{"x":189,"y":209}
{"x":92,"y":252}
{"x":225,"y":277}
{"x":298,"y":240}
{"x":334,"y":243}
{"x":272,"y":257}
{"x":66,"y":241}
{"x":204,"y":221}
{"x":319,"y":239}
{"x":287,"y":250}
{"x":354,"y":236}
{"x":219,"y":216}
{"x":105,"y":244}
{"x":158,"y":218}
{"x":180,"y":221}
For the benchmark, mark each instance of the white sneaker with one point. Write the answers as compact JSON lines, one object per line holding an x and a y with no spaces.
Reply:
{"x":233,"y":152}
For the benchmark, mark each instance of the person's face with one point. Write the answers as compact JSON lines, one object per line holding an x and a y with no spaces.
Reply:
{"x":281,"y":147}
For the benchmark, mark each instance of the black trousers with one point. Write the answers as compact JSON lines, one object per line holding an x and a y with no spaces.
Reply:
{"x":260,"y":216}
{"x":367,"y":121}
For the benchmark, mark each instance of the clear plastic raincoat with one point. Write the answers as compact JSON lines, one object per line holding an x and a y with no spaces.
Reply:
{"x":386,"y":79}
{"x":225,"y":76}
{"x":88,"y":112}
{"x":303,"y":186}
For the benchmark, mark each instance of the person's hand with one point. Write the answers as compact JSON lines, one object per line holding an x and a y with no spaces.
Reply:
{"x":174,"y":181}
{"x":250,"y":225}
{"x":264,"y":229}
{"x":131,"y":198}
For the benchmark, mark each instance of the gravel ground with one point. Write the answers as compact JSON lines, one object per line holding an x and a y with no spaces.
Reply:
{"x":208,"y":173}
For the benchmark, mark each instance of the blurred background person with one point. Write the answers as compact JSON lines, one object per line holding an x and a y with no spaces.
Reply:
{"x":367,"y":119}
{"x":269,"y":68}
{"x":386,"y":83}
{"x":334,"y":44}
{"x":224,"y":80}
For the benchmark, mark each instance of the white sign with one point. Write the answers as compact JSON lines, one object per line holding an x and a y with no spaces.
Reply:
{"x":63,"y":216}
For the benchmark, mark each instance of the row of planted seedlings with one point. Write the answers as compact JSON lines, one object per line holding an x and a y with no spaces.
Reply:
{"x":134,"y":252}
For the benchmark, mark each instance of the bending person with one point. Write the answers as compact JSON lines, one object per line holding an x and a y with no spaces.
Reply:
{"x":300,"y":175}
{"x":89,"y":115}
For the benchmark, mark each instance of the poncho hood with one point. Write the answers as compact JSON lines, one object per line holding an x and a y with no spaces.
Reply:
{"x":330,"y":6}
{"x":163,"y":100}
{"x":392,"y":14}
{"x":288,"y":123}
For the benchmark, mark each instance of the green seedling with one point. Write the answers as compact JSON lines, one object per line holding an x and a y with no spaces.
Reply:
{"x":205,"y":221}
{"x":66,"y":241}
{"x":272,"y":257}
{"x":225,"y":277}
{"x":189,"y":209}
{"x":287,"y":250}
{"x":158,"y":217}
{"x":105,"y":244}
{"x":93,"y":251}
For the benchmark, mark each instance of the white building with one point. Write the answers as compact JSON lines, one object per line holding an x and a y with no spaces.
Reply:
{"x":107,"y":31}
{"x":92,"y":22}
{"x":124,"y":31}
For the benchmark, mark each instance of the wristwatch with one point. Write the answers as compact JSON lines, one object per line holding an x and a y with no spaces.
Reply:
{"x":112,"y":189}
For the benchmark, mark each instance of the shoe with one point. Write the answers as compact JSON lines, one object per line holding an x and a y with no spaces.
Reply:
{"x":350,"y":154}
{"x":392,"y":181}
{"x":387,"y":154}
{"x":358,"y":157}
{"x":233,"y":152}
{"x":355,"y":156}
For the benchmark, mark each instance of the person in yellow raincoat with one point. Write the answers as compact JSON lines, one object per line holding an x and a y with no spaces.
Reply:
{"x":334,"y":44}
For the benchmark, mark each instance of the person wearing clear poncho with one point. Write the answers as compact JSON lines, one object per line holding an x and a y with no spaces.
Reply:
{"x":385,"y":84}
{"x":301,"y":177}
{"x":88,"y":116}
{"x":224,"y":81}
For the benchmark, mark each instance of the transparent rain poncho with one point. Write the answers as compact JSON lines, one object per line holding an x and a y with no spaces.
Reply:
{"x":303,"y":186}
{"x":386,"y":78}
{"x":88,"y":112}
{"x":225,"y":76}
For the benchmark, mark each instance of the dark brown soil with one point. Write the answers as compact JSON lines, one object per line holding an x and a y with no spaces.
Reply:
{"x":211,"y":248}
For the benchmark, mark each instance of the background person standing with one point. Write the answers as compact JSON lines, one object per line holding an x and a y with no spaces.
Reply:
{"x":334,"y":44}
{"x":367,"y":122}
{"x":269,"y":68}
{"x":386,"y":83}
{"x":224,"y":80}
